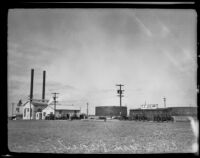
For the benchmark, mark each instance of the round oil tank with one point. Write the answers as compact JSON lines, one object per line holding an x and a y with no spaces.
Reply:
{"x":111,"y":111}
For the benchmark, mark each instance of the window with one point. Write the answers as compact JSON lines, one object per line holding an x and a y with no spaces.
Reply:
{"x":44,"y":113}
{"x":27,"y":109}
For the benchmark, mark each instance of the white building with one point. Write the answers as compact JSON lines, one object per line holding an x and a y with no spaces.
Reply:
{"x":31,"y":110}
{"x":40,"y":109}
{"x":61,"y":110}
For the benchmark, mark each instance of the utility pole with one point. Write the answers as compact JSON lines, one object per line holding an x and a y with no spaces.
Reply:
{"x":120,"y":91}
{"x":164,"y":102}
{"x":87,"y":109}
{"x":54,"y":98}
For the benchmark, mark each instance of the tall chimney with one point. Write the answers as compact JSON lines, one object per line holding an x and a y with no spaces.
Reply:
{"x":31,"y":88}
{"x":43,"y":86}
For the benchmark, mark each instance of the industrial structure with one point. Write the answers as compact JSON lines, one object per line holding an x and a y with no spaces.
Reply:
{"x":33,"y":106}
{"x":38,"y":109}
{"x":62,"y":110}
{"x":30,"y":109}
{"x":111,"y":111}
{"x":161,"y":114}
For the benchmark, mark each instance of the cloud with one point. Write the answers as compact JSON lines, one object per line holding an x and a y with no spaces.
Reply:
{"x":145,"y":28}
{"x":175,"y":62}
{"x":164,"y":31}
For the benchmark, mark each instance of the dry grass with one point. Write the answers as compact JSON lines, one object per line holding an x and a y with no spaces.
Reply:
{"x":99,"y":137}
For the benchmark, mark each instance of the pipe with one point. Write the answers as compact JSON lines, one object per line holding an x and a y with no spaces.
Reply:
{"x":43,"y":86}
{"x":31,"y":88}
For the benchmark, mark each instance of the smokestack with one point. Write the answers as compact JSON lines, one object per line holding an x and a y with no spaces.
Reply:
{"x":43,"y":86}
{"x":31,"y":88}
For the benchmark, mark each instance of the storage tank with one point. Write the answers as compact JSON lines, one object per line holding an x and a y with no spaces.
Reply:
{"x":111,"y":111}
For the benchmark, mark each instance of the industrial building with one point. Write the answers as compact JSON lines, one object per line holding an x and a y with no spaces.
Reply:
{"x":34,"y":106}
{"x":162,"y":113}
{"x":31,"y":109}
{"x":37,"y":109}
{"x":60,"y":111}
{"x":111,"y":111}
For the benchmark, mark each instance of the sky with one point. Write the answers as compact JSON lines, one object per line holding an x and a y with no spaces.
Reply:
{"x":86,"y":52}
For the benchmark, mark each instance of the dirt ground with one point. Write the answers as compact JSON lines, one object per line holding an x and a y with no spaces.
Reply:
{"x":78,"y":136}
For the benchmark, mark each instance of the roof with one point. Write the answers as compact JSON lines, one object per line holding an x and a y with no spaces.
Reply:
{"x":25,"y":103}
{"x":61,"y":105}
{"x":58,"y":102}
{"x":40,"y":100}
{"x":152,"y":109}
{"x":42,"y":105}
{"x":64,"y":107}
{"x":111,"y":106}
{"x":39,"y":103}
